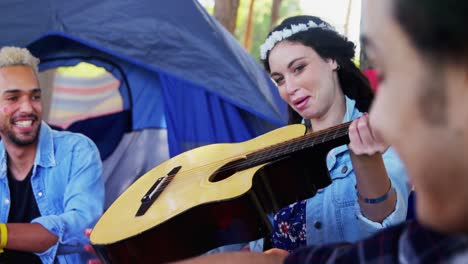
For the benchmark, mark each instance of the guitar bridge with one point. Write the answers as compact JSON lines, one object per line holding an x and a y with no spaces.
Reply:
{"x":156,"y":189}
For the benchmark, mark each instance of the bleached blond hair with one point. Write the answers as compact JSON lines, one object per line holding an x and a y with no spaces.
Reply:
{"x":12,"y":56}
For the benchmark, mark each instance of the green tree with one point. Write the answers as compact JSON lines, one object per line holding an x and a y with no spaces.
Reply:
{"x":261,"y":21}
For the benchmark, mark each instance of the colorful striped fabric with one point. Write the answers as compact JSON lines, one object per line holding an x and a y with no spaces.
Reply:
{"x":77,"y":96}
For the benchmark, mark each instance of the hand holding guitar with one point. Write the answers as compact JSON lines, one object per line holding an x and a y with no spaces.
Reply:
{"x":375,"y":193}
{"x":363,"y":139}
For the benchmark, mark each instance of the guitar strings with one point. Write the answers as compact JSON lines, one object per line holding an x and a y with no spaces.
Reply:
{"x":261,"y":153}
{"x":257,"y":156}
{"x":184,"y":181}
{"x":307,"y":140}
{"x":285,"y":147}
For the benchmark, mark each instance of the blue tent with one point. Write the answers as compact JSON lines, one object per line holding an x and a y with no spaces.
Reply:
{"x":184,"y":81}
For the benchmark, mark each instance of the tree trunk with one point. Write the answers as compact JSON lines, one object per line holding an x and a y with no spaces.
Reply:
{"x":275,"y":12}
{"x":363,"y":60}
{"x":348,"y":17}
{"x":225,"y":11}
{"x":249,"y":27}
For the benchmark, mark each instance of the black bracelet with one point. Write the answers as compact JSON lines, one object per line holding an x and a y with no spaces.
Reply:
{"x":376,"y":200}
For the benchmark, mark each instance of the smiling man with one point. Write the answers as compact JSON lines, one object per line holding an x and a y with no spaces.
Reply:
{"x":50,"y":182}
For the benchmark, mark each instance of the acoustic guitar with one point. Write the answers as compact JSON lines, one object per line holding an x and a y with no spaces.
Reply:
{"x":214,"y":195}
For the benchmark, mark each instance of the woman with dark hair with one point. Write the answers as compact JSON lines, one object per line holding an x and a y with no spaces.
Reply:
{"x":329,"y":45}
{"x":312,"y":66}
{"x":313,"y":69}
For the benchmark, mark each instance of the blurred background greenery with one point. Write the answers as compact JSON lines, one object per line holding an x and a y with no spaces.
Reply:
{"x":251,"y":20}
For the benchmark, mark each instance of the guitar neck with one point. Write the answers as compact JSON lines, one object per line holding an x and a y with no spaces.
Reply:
{"x":327,"y":137}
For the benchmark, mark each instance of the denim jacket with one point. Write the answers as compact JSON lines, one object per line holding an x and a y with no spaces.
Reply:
{"x":69,"y":191}
{"x":333,"y":214}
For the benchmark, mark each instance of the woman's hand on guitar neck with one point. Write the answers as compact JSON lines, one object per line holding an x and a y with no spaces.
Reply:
{"x":372,"y":180}
{"x":90,"y":249}
{"x":363,"y":140}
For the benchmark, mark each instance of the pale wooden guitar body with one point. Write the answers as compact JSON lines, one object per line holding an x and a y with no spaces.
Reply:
{"x":198,"y":208}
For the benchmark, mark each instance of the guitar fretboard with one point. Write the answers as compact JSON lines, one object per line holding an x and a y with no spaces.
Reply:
{"x":295,"y":145}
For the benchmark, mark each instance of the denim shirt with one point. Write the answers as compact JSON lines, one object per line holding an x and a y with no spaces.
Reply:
{"x":336,"y":207}
{"x":66,"y":182}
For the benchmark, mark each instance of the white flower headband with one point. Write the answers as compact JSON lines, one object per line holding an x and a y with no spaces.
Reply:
{"x":278,"y":36}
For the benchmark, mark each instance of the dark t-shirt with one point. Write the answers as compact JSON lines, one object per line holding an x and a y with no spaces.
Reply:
{"x":23,"y":209}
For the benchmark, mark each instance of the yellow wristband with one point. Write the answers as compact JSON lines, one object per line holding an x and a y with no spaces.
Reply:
{"x":3,"y":236}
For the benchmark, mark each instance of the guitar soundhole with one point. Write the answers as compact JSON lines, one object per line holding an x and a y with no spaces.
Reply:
{"x":227,"y":170}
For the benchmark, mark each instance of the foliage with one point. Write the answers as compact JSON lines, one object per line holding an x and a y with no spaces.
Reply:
{"x":261,"y":24}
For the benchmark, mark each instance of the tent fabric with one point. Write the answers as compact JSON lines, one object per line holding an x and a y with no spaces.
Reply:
{"x":180,"y":73}
{"x":116,"y":125}
{"x":77,"y":98}
{"x":177,"y":37}
{"x":138,"y":152}
{"x":212,"y":120}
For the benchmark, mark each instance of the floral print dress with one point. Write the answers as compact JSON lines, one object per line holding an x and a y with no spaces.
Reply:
{"x":289,"y":230}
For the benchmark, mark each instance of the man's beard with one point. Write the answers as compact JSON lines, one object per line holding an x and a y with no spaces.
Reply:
{"x":23,"y":142}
